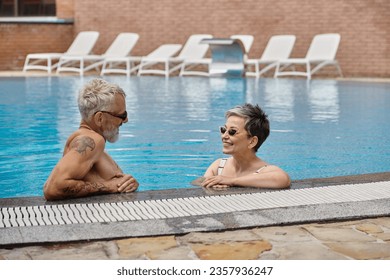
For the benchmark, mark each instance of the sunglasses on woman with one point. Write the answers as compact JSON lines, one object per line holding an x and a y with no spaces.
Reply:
{"x":231,"y":131}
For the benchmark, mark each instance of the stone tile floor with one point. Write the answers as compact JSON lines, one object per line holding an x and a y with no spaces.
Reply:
{"x":356,"y":240}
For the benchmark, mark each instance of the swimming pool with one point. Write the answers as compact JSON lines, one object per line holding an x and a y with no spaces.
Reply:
{"x":321,"y":128}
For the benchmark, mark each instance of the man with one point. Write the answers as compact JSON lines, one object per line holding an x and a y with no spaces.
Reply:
{"x":85,"y":168}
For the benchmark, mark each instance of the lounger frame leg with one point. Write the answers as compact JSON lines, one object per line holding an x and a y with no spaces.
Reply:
{"x":308,"y":75}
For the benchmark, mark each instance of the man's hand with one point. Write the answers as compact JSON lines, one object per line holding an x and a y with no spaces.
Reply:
{"x":125,"y":183}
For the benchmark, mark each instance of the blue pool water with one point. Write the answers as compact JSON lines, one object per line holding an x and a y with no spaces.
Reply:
{"x":320,"y":128}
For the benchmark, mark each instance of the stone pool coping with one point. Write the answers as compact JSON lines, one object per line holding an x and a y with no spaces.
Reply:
{"x":200,"y":223}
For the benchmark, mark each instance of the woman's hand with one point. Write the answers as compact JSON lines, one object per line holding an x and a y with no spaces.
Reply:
{"x":217,"y":182}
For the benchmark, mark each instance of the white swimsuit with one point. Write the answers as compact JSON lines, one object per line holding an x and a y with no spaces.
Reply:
{"x":223,"y":162}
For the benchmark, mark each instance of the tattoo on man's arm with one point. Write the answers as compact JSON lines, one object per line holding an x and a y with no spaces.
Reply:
{"x":82,"y":143}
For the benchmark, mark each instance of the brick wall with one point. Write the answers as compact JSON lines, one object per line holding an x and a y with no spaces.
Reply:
{"x":364,"y":26}
{"x":65,"y":8}
{"x":17,"y":40}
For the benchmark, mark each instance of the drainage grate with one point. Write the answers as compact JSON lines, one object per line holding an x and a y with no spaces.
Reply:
{"x":63,"y":214}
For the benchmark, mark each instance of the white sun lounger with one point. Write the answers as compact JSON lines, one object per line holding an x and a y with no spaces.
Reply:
{"x":159,"y":56}
{"x":196,"y":57}
{"x":278,"y":47}
{"x":322,"y":52}
{"x":82,"y":45}
{"x":192,"y":50}
{"x":120,"y":47}
{"x":127,"y":65}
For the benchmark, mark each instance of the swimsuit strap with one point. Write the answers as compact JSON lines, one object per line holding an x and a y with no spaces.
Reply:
{"x":261,"y":168}
{"x":221,"y":166}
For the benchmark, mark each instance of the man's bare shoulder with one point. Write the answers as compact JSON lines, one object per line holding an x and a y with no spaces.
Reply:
{"x":85,"y":140}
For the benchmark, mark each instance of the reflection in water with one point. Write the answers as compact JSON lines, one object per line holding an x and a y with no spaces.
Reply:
{"x":218,"y":84}
{"x":220,"y":87}
{"x":279,"y":99}
{"x":195,"y":99}
{"x":323,"y":99}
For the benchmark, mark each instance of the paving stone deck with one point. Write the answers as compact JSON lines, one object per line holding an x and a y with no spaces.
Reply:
{"x":357,"y":240}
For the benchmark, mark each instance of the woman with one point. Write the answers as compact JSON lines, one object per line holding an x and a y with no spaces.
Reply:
{"x":246,"y":128}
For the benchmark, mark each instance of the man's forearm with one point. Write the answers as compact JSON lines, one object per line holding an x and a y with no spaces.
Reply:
{"x":81,"y":188}
{"x":74,"y":188}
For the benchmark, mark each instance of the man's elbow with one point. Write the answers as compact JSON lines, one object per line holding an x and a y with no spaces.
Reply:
{"x":49,"y":195}
{"x":51,"y":192}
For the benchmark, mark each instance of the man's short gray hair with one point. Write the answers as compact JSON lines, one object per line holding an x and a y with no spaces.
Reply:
{"x":97,"y":95}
